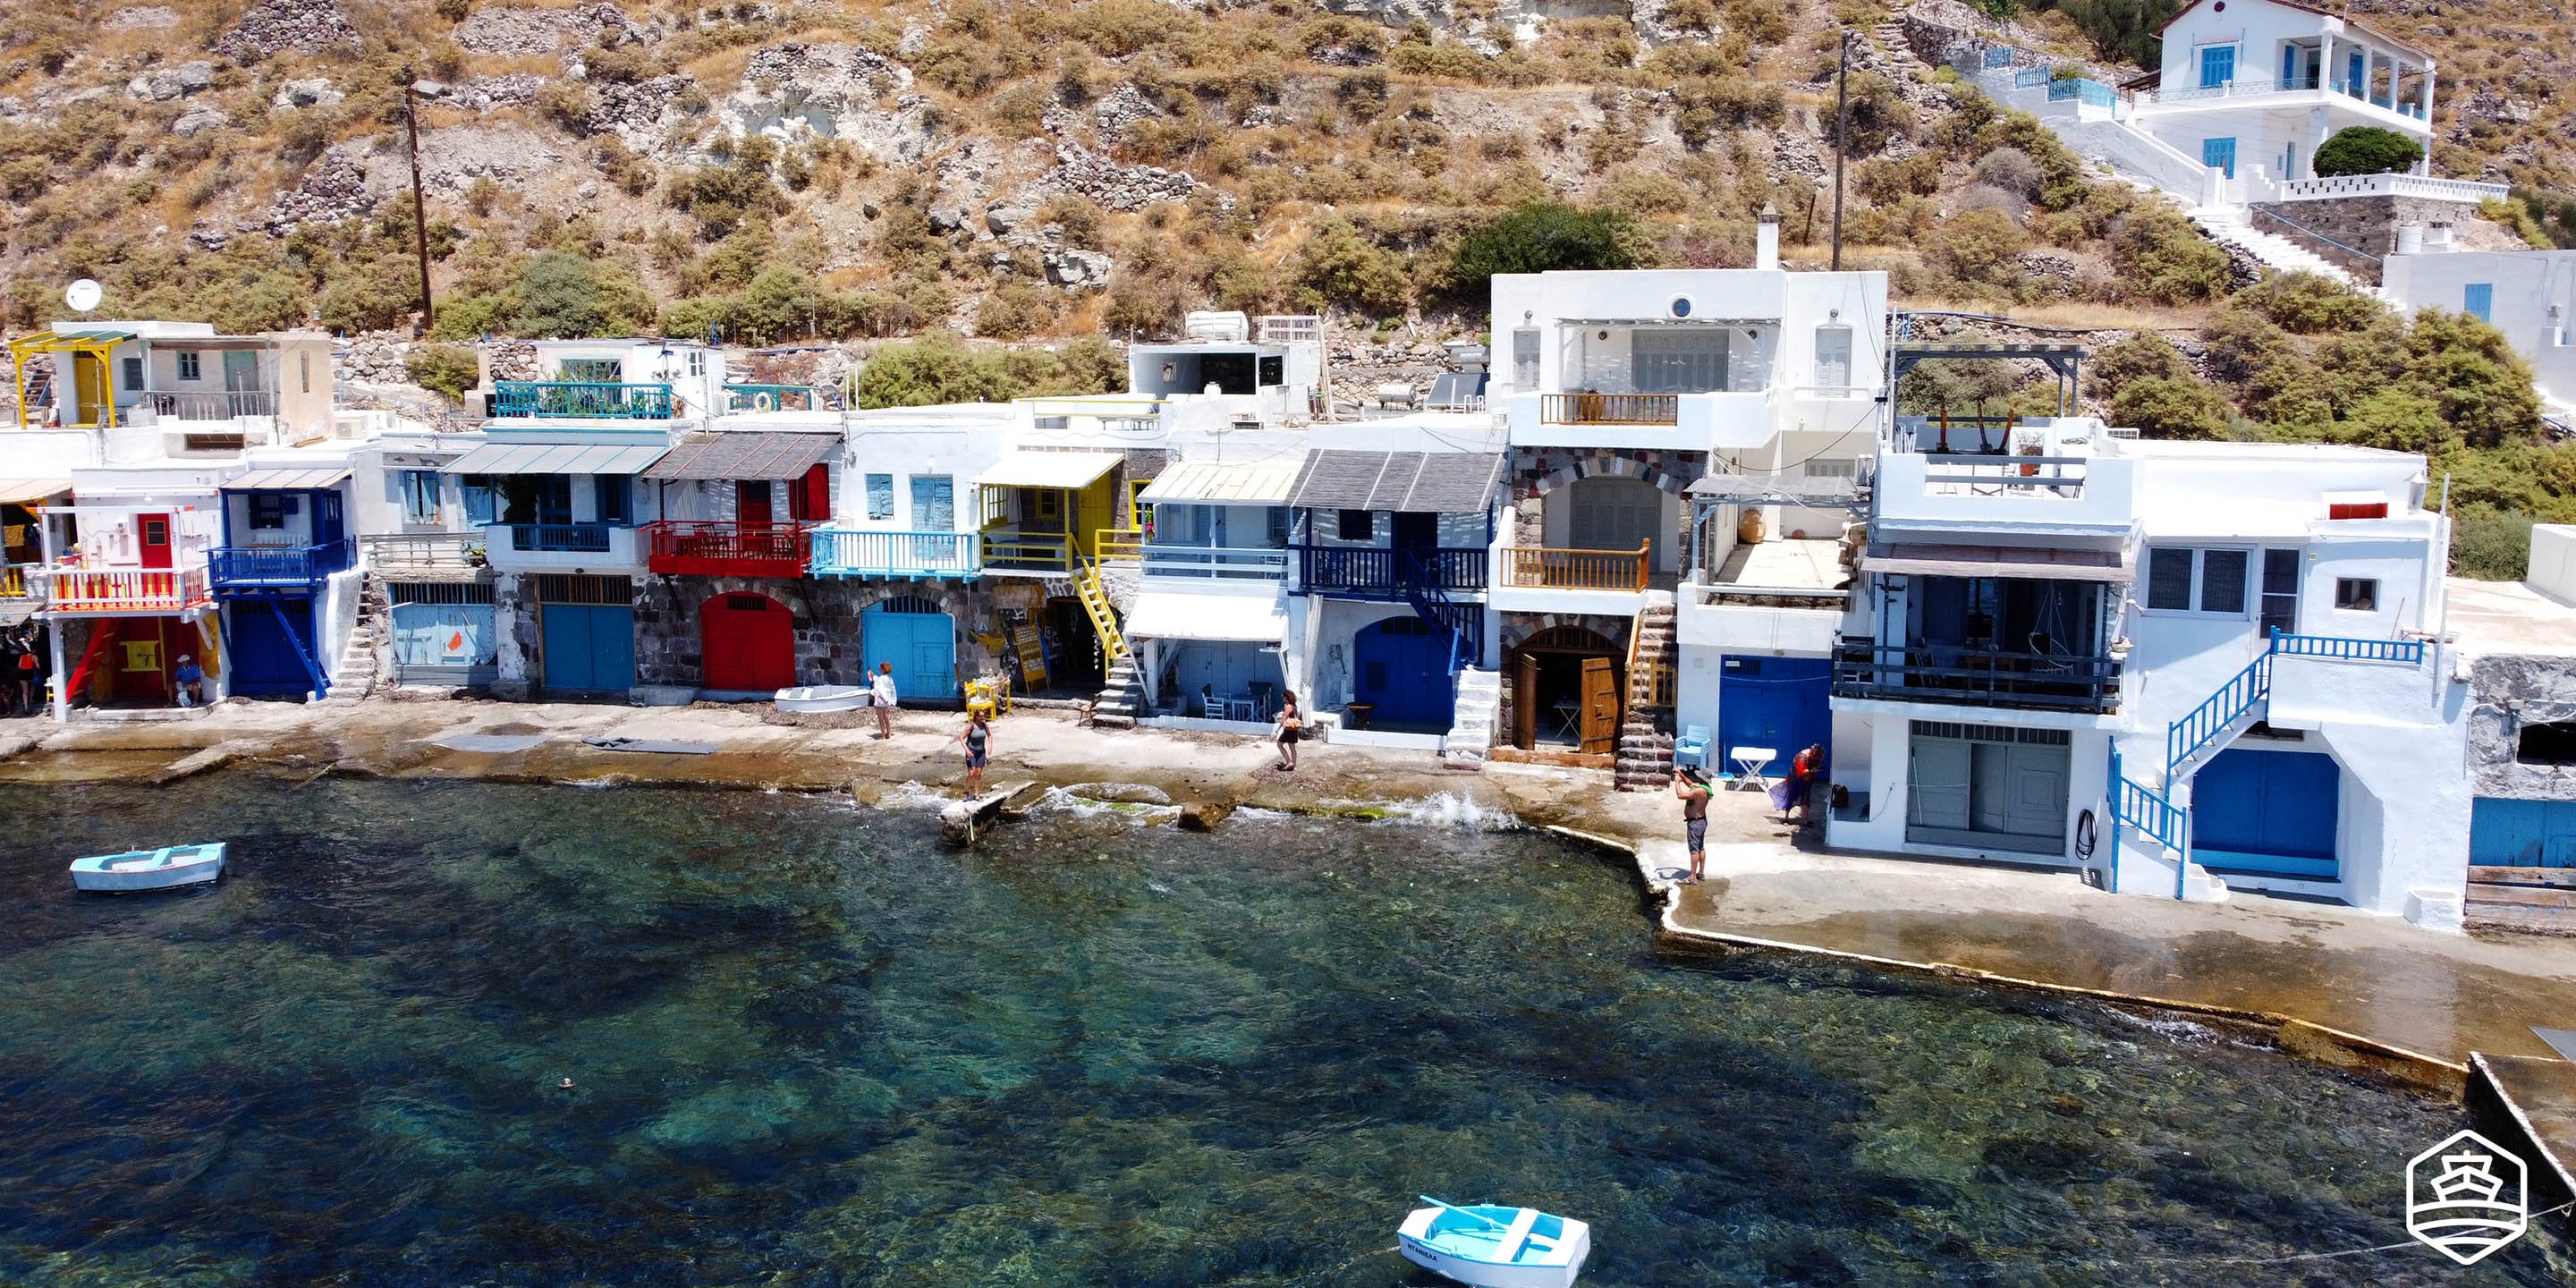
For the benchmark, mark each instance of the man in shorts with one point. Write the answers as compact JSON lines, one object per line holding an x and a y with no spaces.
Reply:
{"x":1692,"y":788}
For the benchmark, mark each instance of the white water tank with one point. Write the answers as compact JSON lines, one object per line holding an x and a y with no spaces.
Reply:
{"x":1467,"y":355}
{"x":1227,"y":326}
{"x":2410,"y":239}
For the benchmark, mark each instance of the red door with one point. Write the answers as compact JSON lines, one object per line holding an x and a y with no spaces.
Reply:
{"x":750,"y":643}
{"x":152,"y":539}
{"x":143,"y":657}
{"x":751,"y":502}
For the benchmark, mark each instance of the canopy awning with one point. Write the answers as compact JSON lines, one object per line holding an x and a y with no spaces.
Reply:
{"x":22,"y":491}
{"x":1031,"y":467}
{"x":1998,"y":561}
{"x":1403,"y":482}
{"x":1269,"y":482}
{"x":288,"y":480}
{"x":555,"y":458}
{"x":763,"y":455}
{"x":1182,"y":615}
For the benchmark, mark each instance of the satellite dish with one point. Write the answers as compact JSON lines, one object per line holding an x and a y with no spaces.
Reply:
{"x":82,"y":295}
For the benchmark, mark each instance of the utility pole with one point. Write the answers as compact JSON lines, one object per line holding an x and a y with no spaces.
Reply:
{"x":420,"y":210}
{"x":1842,"y":142}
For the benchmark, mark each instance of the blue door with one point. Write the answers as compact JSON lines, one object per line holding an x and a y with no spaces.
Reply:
{"x":1783,"y":703}
{"x":1400,"y":666}
{"x":2477,"y":299}
{"x":264,"y":653}
{"x":2522,"y":834}
{"x":2220,"y":153}
{"x":2267,"y":812}
{"x":922,"y":646}
{"x":589,"y":648}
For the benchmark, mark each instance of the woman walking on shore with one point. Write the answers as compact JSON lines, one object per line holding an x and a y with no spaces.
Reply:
{"x":1292,"y":727}
{"x":978,"y":740}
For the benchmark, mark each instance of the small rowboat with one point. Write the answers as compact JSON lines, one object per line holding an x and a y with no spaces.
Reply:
{"x":824,"y":697}
{"x":161,"y":869}
{"x":1495,"y":1247}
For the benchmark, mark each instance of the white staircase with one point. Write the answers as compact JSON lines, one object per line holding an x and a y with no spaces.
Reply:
{"x":2231,"y":226}
{"x":1478,"y":709}
{"x":354,"y":673}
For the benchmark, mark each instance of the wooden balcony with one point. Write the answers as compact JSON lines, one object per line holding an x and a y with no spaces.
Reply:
{"x":1540,"y":568}
{"x":1610,"y":409}
{"x":719,"y":548}
{"x":116,"y":591}
{"x":251,"y":570}
{"x":862,"y":552}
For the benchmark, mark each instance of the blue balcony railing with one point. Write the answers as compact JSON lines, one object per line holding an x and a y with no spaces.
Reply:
{"x":2410,"y":652}
{"x":581,"y":400}
{"x":856,"y":552}
{"x":563,"y":538}
{"x":2090,"y":92}
{"x":278,"y":567}
{"x":1376,"y":572}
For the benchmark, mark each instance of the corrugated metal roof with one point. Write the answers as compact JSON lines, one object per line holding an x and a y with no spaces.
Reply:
{"x":1028,"y":467}
{"x":555,"y":458}
{"x":1404,"y":482}
{"x":1179,"y":615}
{"x":745,"y":455}
{"x":1269,"y":482}
{"x":21,"y":491}
{"x":287,"y":480}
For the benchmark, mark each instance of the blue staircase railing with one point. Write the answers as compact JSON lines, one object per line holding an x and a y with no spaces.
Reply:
{"x":1422,"y":592}
{"x":2185,"y":737}
{"x":2134,"y":804}
{"x":2410,"y":652}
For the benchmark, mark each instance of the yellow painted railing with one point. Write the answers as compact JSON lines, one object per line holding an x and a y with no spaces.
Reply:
{"x":1119,"y":543}
{"x":1542,"y":568}
{"x":1027,"y":551}
{"x":13,"y":581}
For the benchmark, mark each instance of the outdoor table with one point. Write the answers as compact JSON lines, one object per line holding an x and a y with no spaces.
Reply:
{"x":1752,"y":761}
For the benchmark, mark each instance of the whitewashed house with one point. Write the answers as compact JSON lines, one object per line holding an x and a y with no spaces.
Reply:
{"x":2264,"y":83}
{"x":159,"y":390}
{"x":1681,"y":430}
{"x":2175,"y":667}
{"x":2530,"y":295}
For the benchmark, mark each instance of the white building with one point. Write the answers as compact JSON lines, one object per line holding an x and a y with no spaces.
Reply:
{"x":2099,"y":654}
{"x":2530,"y":295}
{"x":2266,"y":82}
{"x":1628,"y":395}
{"x":154,"y":390}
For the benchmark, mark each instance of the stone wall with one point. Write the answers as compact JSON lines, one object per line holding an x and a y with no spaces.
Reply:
{"x":2365,"y":227}
{"x":829,"y":639}
{"x":2512,"y":692}
{"x":1537,"y":471}
{"x":1517,"y":627}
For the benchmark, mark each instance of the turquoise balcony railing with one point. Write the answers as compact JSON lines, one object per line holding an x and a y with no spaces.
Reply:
{"x":740,"y":398}
{"x":580,"y":400}
{"x":856,"y":552}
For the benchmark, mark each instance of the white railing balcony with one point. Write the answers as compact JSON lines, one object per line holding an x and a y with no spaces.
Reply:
{"x":587,"y":546}
{"x":2389,"y":185}
{"x":1214,"y":563}
{"x":126,"y":590}
{"x":2071,"y":496}
{"x":412,"y":553}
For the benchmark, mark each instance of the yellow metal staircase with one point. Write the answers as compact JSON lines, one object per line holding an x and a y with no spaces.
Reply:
{"x":1095,"y":601}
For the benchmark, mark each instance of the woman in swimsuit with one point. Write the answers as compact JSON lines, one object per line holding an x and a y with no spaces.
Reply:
{"x":978,"y":740}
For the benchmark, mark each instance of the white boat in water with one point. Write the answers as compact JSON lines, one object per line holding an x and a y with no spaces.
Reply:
{"x":1495,"y":1247}
{"x":823,"y":697}
{"x":160,"y":869}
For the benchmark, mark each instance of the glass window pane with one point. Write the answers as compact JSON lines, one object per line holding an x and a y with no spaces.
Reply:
{"x":2169,"y":578}
{"x":2222,"y":581}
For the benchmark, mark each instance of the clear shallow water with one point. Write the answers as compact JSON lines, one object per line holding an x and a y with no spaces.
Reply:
{"x":812,"y":1048}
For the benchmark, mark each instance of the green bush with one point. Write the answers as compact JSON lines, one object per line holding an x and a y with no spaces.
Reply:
{"x":2142,"y":355}
{"x":1978,"y":246}
{"x":1337,"y":265}
{"x":568,"y":295}
{"x":2307,"y":303}
{"x":940,"y":368}
{"x":2164,"y":258}
{"x":2490,"y":544}
{"x":444,"y":369}
{"x":1541,"y":237}
{"x":2366,"y":149}
{"x":2164,"y":407}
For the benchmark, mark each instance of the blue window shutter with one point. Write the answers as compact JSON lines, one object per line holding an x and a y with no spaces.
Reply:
{"x":880,"y":496}
{"x":2352,"y":76}
{"x":2220,"y":153}
{"x":2217,"y":66}
{"x":934,"y":504}
{"x":2289,"y":66}
{"x":2478,"y":301}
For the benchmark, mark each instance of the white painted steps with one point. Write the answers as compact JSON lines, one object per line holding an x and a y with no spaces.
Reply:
{"x":2231,"y":226}
{"x":1478,"y":709}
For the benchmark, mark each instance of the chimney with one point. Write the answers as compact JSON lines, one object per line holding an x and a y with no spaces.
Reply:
{"x":1766,"y":239}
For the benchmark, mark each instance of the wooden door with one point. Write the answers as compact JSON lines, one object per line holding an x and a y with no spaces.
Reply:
{"x":1600,"y":705}
{"x":152,"y":540}
{"x":1525,"y":702}
{"x":751,"y":502}
{"x":90,"y":394}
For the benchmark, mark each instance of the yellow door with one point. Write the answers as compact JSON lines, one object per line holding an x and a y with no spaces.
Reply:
{"x":89,"y":379}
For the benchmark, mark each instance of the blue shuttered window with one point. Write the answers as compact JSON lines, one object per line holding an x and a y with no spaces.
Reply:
{"x":934,"y":503}
{"x":2478,"y":301}
{"x":2217,"y":66}
{"x":880,"y":496}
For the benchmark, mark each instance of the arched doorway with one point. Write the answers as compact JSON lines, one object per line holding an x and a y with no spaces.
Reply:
{"x":920,"y":640}
{"x":1401,"y":672}
{"x":1568,"y":688}
{"x":1075,"y":659}
{"x":749,"y":643}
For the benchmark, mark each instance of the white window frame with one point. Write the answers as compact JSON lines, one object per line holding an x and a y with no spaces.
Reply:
{"x":2249,"y":588}
{"x":2343,"y":598}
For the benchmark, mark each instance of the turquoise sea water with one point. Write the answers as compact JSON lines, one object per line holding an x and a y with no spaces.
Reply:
{"x":810,"y":1047}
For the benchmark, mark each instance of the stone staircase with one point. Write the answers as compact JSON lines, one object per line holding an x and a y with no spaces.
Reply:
{"x":362,"y":658}
{"x":1646,"y":735}
{"x":2233,"y":226}
{"x":1122,"y":697}
{"x":1478,"y":709}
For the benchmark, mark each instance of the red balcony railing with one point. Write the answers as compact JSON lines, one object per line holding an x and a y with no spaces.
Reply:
{"x":715,"y":547}
{"x":125,"y":590}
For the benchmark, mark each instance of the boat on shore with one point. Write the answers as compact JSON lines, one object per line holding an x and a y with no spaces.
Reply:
{"x":1495,"y":1247}
{"x":822,"y":698}
{"x":138,"y":870}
